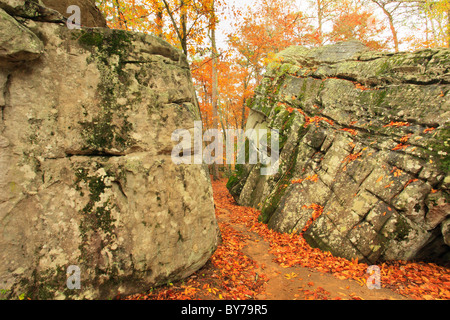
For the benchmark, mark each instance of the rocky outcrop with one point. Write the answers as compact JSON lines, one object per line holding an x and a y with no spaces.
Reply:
{"x":86,"y":176}
{"x":364,"y":151}
{"x":90,"y":15}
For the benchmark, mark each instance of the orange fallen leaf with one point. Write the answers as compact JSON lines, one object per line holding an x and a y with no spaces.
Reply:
{"x":389,"y":185}
{"x":415,"y":280}
{"x":397,"y":124}
{"x":290,"y":275}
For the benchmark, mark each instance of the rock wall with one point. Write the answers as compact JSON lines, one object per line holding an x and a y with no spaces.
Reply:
{"x":364,"y":160}
{"x":91,"y":17}
{"x":86,"y":176}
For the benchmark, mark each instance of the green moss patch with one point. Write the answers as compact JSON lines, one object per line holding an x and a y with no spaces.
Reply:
{"x":109,"y":127}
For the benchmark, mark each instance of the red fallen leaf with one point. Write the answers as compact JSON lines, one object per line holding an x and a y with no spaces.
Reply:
{"x":361,"y":87}
{"x":313,"y":178}
{"x":405,"y":139}
{"x":389,"y":185}
{"x":411,"y":279}
{"x":379,"y":179}
{"x":397,"y":124}
{"x":400,"y":146}
{"x":352,"y":131}
{"x":409,"y":182}
{"x":316,"y":120}
{"x":353,"y":157}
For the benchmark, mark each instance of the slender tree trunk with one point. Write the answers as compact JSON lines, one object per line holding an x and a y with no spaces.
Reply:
{"x":394,"y":32}
{"x":391,"y":26}
{"x":244,"y":102}
{"x":182,"y":37}
{"x":448,"y":28}
{"x":120,"y":18}
{"x":320,"y":21}
{"x":215,"y":81}
{"x":159,"y":22}
{"x":391,"y":23}
{"x":183,"y":19}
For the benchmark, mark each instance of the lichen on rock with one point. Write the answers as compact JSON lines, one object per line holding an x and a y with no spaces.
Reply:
{"x":373,"y":134}
{"x":86,"y":175}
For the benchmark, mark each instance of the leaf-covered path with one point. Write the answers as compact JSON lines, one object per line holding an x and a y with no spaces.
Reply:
{"x":254,"y":262}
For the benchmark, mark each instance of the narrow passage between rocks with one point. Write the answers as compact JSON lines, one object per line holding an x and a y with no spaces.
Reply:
{"x":253,"y":262}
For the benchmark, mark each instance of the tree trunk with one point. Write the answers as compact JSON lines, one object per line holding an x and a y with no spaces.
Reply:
{"x":215,"y":83}
{"x":182,"y":36}
{"x":183,"y":19}
{"x":244,"y":102}
{"x":159,"y":22}
{"x":320,"y":21}
{"x":448,"y":28}
{"x":120,"y":18}
{"x":394,"y":33}
{"x":391,"y":24}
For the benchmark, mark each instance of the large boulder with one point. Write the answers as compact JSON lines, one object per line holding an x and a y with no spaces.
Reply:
{"x":17,"y":43}
{"x":364,"y":151}
{"x":86,"y":175}
{"x":90,"y":15}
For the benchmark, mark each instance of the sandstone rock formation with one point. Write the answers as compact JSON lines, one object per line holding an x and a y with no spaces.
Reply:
{"x":86,"y":176}
{"x":364,"y":162}
{"x":90,"y":17}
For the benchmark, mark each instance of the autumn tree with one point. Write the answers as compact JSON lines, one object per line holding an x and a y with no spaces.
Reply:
{"x":417,"y":23}
{"x":390,"y":9}
{"x":354,"y":21}
{"x":323,"y":11}
{"x":437,"y":15}
{"x":268,"y":27}
{"x":184,"y":23}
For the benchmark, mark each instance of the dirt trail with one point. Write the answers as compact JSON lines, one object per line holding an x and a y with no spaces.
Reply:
{"x":254,"y":262}
{"x":299,"y":283}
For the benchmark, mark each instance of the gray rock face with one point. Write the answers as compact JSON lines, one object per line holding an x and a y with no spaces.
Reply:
{"x":17,"y":43}
{"x":364,"y":159}
{"x":90,"y":17}
{"x":30,"y":9}
{"x":86,"y":176}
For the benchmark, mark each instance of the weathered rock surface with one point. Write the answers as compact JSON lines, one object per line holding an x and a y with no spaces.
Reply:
{"x":17,"y":43}
{"x":90,"y":15}
{"x":30,"y":9}
{"x":365,"y":138}
{"x":86,"y":176}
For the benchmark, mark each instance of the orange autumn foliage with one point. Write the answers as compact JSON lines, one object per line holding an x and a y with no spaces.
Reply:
{"x":396,"y":124}
{"x":317,"y":212}
{"x":313,"y":178}
{"x":233,"y":274}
